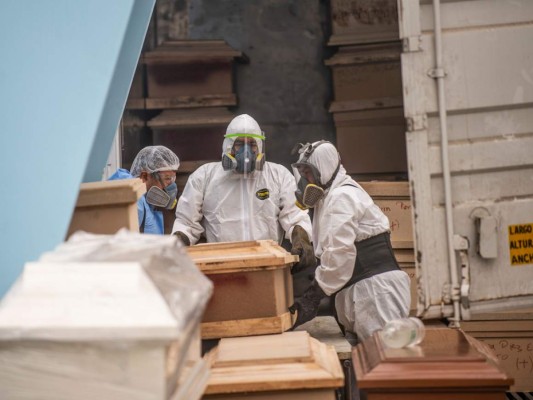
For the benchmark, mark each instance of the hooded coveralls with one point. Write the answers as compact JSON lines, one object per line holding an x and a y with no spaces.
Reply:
{"x":231,"y":206}
{"x":347,"y":225}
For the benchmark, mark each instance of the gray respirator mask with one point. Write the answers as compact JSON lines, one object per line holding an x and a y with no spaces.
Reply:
{"x":244,"y":162}
{"x":309,"y":194}
{"x":163,"y":198}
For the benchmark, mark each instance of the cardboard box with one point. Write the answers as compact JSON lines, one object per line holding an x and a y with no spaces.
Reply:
{"x":372,"y":141}
{"x":363,"y":21}
{"x":107,"y":206}
{"x":510,"y":337}
{"x":394,"y":200}
{"x":252,"y":287}
{"x":190,"y":73}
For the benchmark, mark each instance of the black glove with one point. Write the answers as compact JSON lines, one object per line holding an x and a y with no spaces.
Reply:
{"x":184,"y":238}
{"x":302,"y":247}
{"x":307,"y":305}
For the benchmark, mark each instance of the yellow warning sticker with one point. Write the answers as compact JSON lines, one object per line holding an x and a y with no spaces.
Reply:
{"x":521,"y":244}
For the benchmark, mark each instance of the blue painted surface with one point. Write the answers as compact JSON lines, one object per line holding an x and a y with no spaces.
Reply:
{"x":65,"y":72}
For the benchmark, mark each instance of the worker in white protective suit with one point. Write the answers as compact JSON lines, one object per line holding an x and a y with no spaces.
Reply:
{"x":351,"y":236}
{"x":244,"y":197}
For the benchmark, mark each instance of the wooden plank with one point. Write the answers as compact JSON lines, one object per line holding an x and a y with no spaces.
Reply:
{"x":170,"y":119}
{"x":386,"y":189}
{"x":207,"y":100}
{"x":365,"y":104}
{"x":268,"y":349}
{"x":135,"y":104}
{"x":247,"y":327}
{"x":213,"y":258}
{"x":193,"y":380}
{"x":187,"y":51}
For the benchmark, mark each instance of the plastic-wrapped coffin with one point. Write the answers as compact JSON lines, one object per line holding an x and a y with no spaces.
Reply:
{"x":107,"y":317}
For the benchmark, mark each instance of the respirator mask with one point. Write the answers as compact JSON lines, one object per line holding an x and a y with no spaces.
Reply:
{"x":309,"y":194}
{"x":162,"y":198}
{"x":244,"y":161}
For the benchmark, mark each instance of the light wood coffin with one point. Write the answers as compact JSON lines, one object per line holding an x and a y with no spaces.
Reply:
{"x":252,"y":287}
{"x":291,"y":365}
{"x":107,"y":206}
{"x":91,"y":331}
{"x":447,"y":364}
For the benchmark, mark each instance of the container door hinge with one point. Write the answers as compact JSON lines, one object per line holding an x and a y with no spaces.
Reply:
{"x":461,"y":245}
{"x":417,"y":123}
{"x":412,"y":44}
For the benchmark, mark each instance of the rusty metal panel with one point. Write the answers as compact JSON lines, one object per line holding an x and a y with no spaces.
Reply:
{"x":488,"y":88}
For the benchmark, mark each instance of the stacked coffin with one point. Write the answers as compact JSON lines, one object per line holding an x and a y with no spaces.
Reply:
{"x":107,"y":206}
{"x":368,"y":107}
{"x":394,"y":200}
{"x":252,"y":287}
{"x":191,"y":83}
{"x":105,"y":317}
{"x":287,"y":366}
{"x":179,"y":98}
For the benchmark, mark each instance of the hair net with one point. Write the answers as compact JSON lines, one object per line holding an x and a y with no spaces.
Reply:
{"x":326,"y":159}
{"x":243,"y":126}
{"x":154,"y":158}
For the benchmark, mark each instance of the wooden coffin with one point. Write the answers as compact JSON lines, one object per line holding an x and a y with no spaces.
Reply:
{"x":290,"y":365}
{"x":363,"y":21}
{"x":372,"y":142}
{"x":194,"y":134}
{"x":367,"y":77}
{"x":447,"y":364}
{"x":77,"y":330}
{"x":252,"y":287}
{"x":107,"y":206}
{"x":190,"y":73}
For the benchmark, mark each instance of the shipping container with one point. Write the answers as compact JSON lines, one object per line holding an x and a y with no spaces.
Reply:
{"x":467,"y":76}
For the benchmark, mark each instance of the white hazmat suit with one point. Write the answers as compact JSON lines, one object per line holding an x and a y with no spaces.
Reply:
{"x":229,"y":206}
{"x":346,"y":215}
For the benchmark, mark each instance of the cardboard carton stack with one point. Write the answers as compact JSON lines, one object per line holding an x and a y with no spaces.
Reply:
{"x":368,"y":106}
{"x":510,"y":336}
{"x":107,"y":317}
{"x":394,"y":200}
